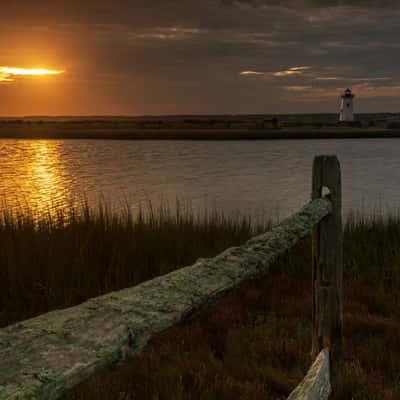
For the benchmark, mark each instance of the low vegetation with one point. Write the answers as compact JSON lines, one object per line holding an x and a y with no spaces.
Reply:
{"x":251,"y":128}
{"x":64,"y":259}
{"x":253,"y":344}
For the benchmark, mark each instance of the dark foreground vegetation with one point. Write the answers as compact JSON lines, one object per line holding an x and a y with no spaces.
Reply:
{"x":253,"y":344}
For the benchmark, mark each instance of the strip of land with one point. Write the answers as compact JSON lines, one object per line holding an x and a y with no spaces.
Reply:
{"x":133,"y":130}
{"x":222,"y":127}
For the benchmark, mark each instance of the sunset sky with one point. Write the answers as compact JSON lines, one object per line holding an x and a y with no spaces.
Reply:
{"x":131,"y":57}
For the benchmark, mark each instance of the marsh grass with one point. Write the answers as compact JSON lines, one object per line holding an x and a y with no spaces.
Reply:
{"x":253,"y":344}
{"x":63,"y":259}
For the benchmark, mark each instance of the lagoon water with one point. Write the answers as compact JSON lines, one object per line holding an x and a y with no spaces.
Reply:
{"x":258,"y":178}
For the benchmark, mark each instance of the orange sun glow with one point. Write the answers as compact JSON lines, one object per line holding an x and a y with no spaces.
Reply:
{"x":9,"y":74}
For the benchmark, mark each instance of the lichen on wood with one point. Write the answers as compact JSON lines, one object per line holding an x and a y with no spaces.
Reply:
{"x":43,"y":357}
{"x":316,"y":385}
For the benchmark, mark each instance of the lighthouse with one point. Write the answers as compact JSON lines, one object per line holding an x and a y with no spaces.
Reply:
{"x":346,"y":107}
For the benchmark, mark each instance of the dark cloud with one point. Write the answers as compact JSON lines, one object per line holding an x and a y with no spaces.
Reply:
{"x":301,"y":4}
{"x":169,"y":56}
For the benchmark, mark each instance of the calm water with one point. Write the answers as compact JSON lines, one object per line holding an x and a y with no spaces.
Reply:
{"x":255,"y":177}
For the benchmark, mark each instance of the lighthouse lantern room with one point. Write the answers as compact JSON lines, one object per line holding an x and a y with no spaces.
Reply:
{"x":346,"y":107}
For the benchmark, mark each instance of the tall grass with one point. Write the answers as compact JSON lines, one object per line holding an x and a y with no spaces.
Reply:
{"x":61,"y":260}
{"x":253,"y":344}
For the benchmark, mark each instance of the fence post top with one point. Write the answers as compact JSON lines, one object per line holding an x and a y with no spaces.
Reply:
{"x":326,"y":173}
{"x":324,"y":158}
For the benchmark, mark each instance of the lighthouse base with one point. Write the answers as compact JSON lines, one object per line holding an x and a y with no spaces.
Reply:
{"x":354,"y":124}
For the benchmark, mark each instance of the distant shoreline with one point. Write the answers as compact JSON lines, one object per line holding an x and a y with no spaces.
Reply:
{"x":261,"y":128}
{"x":61,"y":131}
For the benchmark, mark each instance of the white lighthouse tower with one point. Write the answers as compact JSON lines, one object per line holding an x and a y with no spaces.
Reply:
{"x":346,"y":107}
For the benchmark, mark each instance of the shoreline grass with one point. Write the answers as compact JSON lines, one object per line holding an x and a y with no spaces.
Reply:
{"x":119,"y":130}
{"x":253,"y":344}
{"x":63,"y":259}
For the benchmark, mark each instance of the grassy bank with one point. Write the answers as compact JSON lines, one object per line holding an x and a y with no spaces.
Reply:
{"x":63,"y":260}
{"x":120,"y":130}
{"x":254,"y":344}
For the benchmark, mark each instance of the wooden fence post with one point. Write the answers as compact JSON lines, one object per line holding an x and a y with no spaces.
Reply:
{"x":327,"y":264}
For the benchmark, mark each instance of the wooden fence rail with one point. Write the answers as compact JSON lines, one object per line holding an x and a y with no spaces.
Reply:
{"x":44,"y":357}
{"x":317,"y":383}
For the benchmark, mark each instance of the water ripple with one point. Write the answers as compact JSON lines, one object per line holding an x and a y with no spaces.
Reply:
{"x":255,"y":177}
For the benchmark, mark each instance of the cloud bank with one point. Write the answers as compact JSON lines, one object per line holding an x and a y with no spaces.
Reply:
{"x":214,"y":56}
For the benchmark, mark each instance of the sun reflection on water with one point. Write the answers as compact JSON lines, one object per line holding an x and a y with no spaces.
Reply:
{"x":39,"y":183}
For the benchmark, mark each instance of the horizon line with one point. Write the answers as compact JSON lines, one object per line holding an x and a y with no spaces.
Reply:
{"x":36,"y":116}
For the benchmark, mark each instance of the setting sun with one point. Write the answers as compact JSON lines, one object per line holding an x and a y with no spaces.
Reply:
{"x":8,"y":74}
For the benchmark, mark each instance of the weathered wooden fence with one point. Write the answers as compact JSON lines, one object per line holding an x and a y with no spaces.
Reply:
{"x":45,"y":356}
